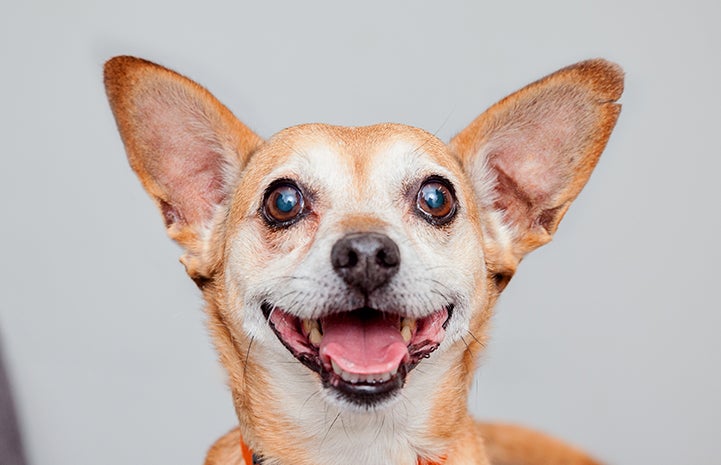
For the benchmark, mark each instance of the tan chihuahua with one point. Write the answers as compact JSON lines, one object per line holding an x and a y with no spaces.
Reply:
{"x":350,"y":272}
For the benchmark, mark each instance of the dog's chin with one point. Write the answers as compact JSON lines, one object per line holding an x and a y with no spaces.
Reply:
{"x":362,"y":356}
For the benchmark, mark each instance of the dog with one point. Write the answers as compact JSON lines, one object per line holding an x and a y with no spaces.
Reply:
{"x":350,"y":273}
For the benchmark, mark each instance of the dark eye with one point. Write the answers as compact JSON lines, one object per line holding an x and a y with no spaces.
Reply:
{"x":436,"y":201}
{"x":283,"y":204}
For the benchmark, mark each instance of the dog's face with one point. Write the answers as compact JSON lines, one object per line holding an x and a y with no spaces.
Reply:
{"x":352,"y":271}
{"x":360,"y":249}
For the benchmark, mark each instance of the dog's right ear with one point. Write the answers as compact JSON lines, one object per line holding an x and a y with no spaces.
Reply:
{"x":184,"y":145}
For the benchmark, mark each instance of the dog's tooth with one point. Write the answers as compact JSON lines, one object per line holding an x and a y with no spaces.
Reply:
{"x":406,"y":333}
{"x":355,"y":378}
{"x":408,"y":326}
{"x":350,"y":377}
{"x":315,"y":336}
{"x":307,"y":326}
{"x":336,"y":368}
{"x":410,"y":322}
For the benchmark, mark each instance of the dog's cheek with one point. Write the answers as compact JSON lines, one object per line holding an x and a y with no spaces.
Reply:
{"x":296,"y":239}
{"x":256,"y":246}
{"x":257,"y":255}
{"x":466,"y":256}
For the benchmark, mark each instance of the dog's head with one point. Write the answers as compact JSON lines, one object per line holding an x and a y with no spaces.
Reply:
{"x":353,"y":270}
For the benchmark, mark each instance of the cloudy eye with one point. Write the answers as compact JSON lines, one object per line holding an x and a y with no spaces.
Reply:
{"x":436,"y":201}
{"x":283,"y":204}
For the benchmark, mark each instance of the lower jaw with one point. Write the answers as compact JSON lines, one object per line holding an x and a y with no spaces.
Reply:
{"x":366,"y":395}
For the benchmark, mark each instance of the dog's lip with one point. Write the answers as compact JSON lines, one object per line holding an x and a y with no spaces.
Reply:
{"x":361,"y":388}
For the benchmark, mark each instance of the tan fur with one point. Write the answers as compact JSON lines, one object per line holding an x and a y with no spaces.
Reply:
{"x":504,"y":444}
{"x":514,"y":445}
{"x":516,"y":169}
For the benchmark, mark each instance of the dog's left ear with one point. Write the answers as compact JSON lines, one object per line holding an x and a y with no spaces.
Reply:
{"x":530,"y":154}
{"x":185,"y":146}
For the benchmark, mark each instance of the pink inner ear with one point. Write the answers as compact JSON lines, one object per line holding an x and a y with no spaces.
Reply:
{"x":183,"y":157}
{"x":535,"y":151}
{"x":529,"y":163}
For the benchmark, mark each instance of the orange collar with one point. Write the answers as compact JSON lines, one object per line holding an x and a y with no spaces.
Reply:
{"x":249,"y":458}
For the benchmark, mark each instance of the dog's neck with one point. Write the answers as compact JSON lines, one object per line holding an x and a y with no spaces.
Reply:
{"x":250,"y":458}
{"x":400,"y":434}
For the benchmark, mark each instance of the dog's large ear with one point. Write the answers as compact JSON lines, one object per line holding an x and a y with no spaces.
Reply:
{"x":185,"y":146}
{"x":530,"y":154}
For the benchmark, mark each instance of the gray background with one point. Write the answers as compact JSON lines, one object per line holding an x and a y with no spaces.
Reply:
{"x":607,"y":337}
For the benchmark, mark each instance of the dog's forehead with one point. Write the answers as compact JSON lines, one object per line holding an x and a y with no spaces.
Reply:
{"x":361,"y":156}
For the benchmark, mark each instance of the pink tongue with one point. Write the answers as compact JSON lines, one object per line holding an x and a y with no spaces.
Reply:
{"x":363,"y":342}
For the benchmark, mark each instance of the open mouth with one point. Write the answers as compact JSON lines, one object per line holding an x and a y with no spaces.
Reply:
{"x":364,"y":354}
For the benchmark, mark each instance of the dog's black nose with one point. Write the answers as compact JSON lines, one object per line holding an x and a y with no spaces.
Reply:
{"x":365,"y":261}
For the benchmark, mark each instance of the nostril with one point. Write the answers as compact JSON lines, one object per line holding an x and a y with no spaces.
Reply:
{"x":351,"y":260}
{"x":387,"y":258}
{"x":381,"y":257}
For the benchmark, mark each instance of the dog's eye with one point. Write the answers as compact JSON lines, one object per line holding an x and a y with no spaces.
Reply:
{"x":283,"y":204}
{"x":436,"y":201}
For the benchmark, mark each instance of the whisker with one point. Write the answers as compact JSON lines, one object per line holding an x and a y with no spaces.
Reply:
{"x":247,"y":356}
{"x":291,"y":278}
{"x":294,"y":150}
{"x":435,"y":133}
{"x":443,"y":124}
{"x":468,"y":348}
{"x":307,"y":400}
{"x":342,"y":423}
{"x":328,"y":431}
{"x":405,"y":407}
{"x":440,"y":283}
{"x":380,"y":428}
{"x":474,"y":337}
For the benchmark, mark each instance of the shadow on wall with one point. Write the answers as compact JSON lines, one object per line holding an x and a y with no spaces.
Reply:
{"x":11,"y":448}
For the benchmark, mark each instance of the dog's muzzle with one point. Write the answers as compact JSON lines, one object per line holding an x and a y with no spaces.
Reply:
{"x":363,"y":354}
